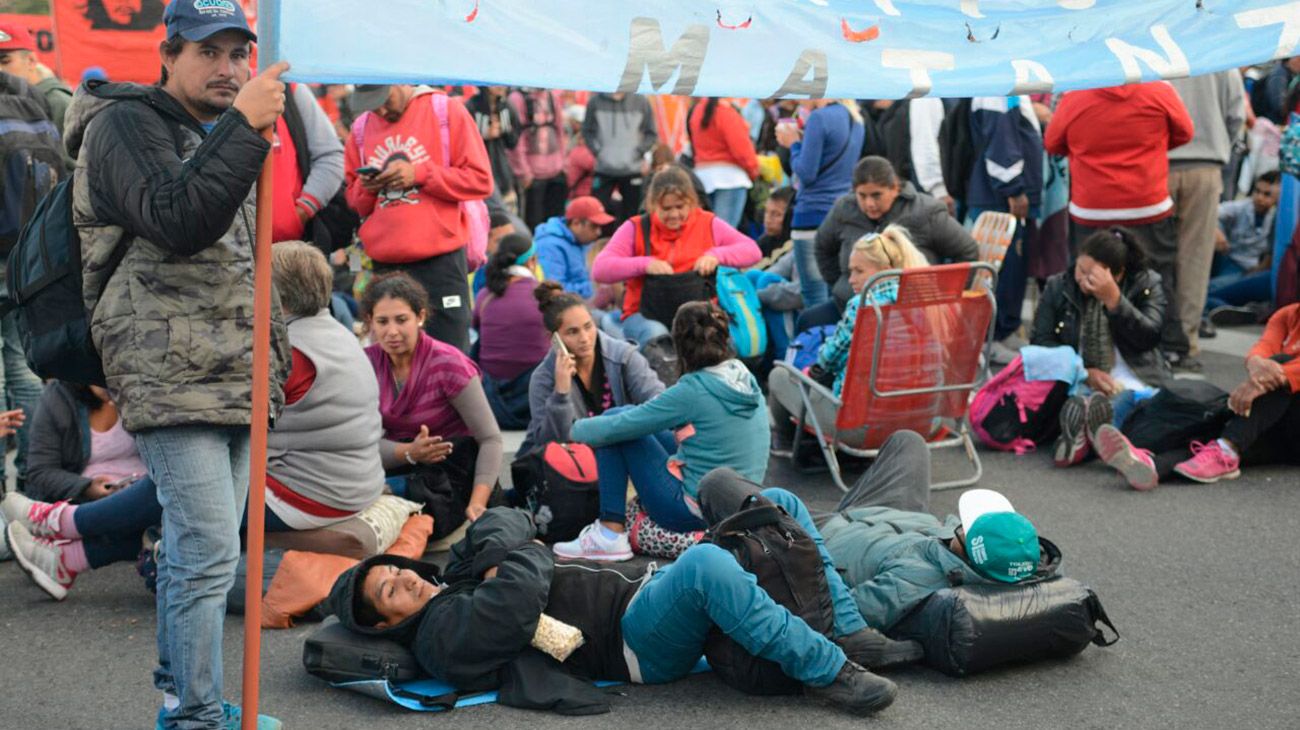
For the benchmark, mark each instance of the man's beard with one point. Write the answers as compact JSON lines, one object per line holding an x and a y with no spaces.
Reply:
{"x":211,"y":107}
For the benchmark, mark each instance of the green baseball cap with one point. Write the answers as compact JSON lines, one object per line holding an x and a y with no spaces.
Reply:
{"x":1001,"y":544}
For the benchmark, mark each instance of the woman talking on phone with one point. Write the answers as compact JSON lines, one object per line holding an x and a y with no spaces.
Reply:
{"x":585,"y":373}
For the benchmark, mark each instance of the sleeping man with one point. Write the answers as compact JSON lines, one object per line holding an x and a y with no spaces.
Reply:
{"x":894,"y":554}
{"x":472,"y":627}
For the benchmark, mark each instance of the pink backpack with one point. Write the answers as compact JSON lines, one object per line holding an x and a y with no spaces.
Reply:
{"x":1013,"y":414}
{"x":475,"y":211}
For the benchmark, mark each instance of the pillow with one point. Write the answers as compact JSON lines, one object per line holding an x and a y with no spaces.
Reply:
{"x":369,"y":532}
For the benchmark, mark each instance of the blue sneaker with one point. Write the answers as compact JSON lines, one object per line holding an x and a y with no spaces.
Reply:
{"x":230,"y":715}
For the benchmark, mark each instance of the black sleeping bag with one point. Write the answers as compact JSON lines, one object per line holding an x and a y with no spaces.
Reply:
{"x":967,"y":629}
{"x":1179,"y":413}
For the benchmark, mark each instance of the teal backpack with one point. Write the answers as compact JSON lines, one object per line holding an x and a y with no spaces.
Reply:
{"x":736,"y":294}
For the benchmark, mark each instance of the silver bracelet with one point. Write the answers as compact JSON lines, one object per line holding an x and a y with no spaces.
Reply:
{"x":409,"y":460}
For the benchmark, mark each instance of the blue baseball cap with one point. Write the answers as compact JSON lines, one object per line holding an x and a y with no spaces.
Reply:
{"x":195,"y":20}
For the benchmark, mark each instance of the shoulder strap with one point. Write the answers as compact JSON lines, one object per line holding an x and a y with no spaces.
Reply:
{"x":747,"y":519}
{"x":359,"y":134}
{"x":645,"y":231}
{"x":439,"y":102}
{"x":297,"y":132}
{"x":1100,"y":637}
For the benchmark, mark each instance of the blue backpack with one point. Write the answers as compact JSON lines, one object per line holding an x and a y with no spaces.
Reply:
{"x":736,"y":295}
{"x":804,"y":347}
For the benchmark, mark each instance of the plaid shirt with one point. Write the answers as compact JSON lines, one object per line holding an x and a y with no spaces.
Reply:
{"x":834,"y":354}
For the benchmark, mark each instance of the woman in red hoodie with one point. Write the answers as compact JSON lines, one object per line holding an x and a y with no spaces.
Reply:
{"x":724,"y":157}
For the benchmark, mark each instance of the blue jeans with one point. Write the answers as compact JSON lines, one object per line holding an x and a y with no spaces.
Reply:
{"x":828,"y":312}
{"x":666,"y":624}
{"x":662,"y":495}
{"x":812,"y":286}
{"x":636,"y":327}
{"x":508,"y":399}
{"x":110,"y":527}
{"x":729,"y":204}
{"x":202,"y":478}
{"x":19,"y":386}
{"x":1230,"y":285}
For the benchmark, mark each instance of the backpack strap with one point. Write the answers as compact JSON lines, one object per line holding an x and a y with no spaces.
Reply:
{"x":439,"y":102}
{"x":757,"y":515}
{"x":359,"y":134}
{"x":297,"y":132}
{"x":1100,"y":613}
{"x":645,"y":231}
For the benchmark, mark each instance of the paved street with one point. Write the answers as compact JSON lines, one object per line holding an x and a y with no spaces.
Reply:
{"x":1200,"y":580}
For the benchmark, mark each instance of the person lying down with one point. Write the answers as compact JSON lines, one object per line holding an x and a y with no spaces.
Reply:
{"x":474,"y":625}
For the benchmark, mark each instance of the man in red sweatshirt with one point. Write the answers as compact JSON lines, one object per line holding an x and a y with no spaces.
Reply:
{"x":1118,"y":140}
{"x":408,"y":192}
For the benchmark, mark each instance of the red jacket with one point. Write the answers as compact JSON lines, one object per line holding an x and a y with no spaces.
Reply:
{"x":1118,"y":141}
{"x":424,"y":220}
{"x":725,"y":140}
{"x":1282,"y":337}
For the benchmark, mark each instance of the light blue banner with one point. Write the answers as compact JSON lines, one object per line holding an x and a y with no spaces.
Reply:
{"x":763,"y":48}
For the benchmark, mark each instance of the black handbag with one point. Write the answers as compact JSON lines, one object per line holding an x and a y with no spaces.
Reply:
{"x":663,"y":295}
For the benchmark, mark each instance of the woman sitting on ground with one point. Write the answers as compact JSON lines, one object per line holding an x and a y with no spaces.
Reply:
{"x":1264,"y":429}
{"x":322,"y":455}
{"x":1109,"y":307}
{"x":437,"y":421}
{"x":594,"y":373}
{"x":873,"y":253}
{"x":511,"y":337}
{"x":712,"y":417}
{"x":683,"y":238}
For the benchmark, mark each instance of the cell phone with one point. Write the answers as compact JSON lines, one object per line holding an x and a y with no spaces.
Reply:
{"x":123,"y":482}
{"x":559,"y":344}
{"x":786,"y":120}
{"x":368,"y":171}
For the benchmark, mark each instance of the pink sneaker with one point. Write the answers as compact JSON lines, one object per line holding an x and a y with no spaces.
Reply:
{"x":1209,"y":464}
{"x":592,"y":544}
{"x":1136,"y":465}
{"x":41,"y":559}
{"x":42,"y":519}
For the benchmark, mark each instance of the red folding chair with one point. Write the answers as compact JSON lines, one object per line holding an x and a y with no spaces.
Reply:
{"x":912,"y":366}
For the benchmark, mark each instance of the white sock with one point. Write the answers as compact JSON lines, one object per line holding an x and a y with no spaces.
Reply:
{"x":1227,"y":448}
{"x":170,"y":701}
{"x":607,"y":533}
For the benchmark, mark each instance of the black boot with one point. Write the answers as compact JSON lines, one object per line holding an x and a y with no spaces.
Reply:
{"x":874,"y":650}
{"x":855,"y":690}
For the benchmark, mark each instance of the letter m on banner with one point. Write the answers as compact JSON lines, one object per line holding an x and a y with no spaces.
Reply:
{"x":646,"y":54}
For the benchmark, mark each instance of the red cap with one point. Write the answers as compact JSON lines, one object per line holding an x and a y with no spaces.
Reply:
{"x":588,"y":208}
{"x":14,"y":37}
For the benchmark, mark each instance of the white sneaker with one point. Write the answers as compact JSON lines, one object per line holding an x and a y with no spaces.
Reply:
{"x":42,"y":519}
{"x":41,"y":559}
{"x":593,"y":545}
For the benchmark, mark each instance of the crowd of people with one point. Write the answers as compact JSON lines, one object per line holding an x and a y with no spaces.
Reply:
{"x":538,"y":261}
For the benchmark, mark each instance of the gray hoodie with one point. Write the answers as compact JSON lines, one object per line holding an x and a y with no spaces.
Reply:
{"x":1217,"y":105}
{"x":619,"y":132}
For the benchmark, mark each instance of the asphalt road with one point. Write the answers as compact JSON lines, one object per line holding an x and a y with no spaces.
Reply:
{"x":1200,"y":581}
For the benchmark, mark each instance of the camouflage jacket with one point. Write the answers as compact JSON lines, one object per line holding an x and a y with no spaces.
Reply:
{"x":174,"y":325}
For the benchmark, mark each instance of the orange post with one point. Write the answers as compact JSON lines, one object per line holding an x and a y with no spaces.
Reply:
{"x":257,"y":444}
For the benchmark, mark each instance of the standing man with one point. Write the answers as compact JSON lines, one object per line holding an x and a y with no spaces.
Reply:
{"x":1123,"y":179}
{"x":1217,"y":105}
{"x":165,"y":175}
{"x":18,"y":57}
{"x":619,"y":129}
{"x":1007,"y":177}
{"x":499,"y":126}
{"x":409,"y":199}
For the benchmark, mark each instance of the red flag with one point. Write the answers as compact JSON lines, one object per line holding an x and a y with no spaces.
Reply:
{"x":120,"y":36}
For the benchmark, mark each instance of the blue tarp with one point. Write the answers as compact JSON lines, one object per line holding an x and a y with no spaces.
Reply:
{"x":763,"y":48}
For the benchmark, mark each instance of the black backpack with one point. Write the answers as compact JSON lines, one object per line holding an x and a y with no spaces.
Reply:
{"x":769,"y":543}
{"x":558,"y":485}
{"x":31,"y":159}
{"x":661,"y":354}
{"x":957,"y":149}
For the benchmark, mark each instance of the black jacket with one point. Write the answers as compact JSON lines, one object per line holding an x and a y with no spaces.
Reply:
{"x":935,"y":233}
{"x":58,"y":446}
{"x":1135,"y":324}
{"x":475,"y":634}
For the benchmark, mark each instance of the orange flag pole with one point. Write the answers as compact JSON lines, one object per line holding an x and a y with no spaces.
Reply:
{"x":257,"y":445}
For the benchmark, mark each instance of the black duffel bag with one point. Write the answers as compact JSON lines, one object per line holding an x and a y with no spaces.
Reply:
{"x":967,"y":629}
{"x":663,"y":295}
{"x":1179,"y":413}
{"x":769,"y":543}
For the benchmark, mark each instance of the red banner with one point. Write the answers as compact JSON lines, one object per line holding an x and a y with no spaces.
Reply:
{"x":42,"y":30}
{"x":120,"y":36}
